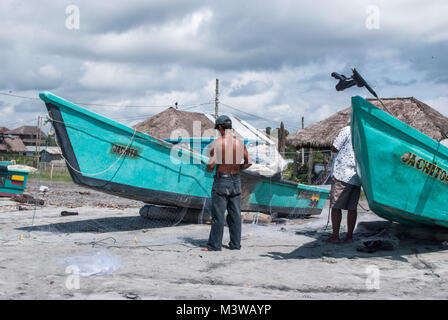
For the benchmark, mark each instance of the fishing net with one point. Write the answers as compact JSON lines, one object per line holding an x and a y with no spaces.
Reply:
{"x":55,"y":209}
{"x":73,"y":208}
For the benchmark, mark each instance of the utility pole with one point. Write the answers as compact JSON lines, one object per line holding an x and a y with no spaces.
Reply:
{"x":303,"y":150}
{"x":282,"y":139}
{"x":36,"y":155}
{"x":216,"y":98}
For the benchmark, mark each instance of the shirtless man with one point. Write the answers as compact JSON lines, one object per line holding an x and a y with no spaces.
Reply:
{"x":229,"y":155}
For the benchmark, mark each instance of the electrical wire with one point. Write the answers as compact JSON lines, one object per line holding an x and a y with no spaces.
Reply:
{"x":109,"y":105}
{"x":183,"y":107}
{"x":239,"y":109}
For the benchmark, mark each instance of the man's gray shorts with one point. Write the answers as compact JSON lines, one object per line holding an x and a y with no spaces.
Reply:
{"x":344,"y":196}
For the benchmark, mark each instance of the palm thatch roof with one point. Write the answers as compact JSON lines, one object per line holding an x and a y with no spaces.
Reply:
{"x":409,"y":110}
{"x":163,"y":125}
{"x":26,"y":130}
{"x":12,"y":144}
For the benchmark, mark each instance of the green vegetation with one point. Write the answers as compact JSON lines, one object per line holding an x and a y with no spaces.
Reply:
{"x":57,"y":176}
{"x":28,"y":161}
{"x":302,"y":173}
{"x":302,"y":169}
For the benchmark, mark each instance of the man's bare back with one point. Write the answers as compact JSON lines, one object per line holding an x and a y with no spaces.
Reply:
{"x":228,"y":154}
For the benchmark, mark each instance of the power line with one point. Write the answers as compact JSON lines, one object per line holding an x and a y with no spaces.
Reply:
{"x":257,"y":116}
{"x":21,"y":121}
{"x":109,"y":105}
{"x":17,"y":96}
{"x":184,"y":107}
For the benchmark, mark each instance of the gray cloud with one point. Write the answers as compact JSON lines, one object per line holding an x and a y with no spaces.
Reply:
{"x":268,"y":56}
{"x":250,"y":89}
{"x":399,"y":83}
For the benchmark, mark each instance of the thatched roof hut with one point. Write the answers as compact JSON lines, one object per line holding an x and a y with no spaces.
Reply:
{"x":26,"y":131}
{"x":163,"y":124}
{"x":411,"y":111}
{"x":11,"y":145}
{"x":28,"y":134}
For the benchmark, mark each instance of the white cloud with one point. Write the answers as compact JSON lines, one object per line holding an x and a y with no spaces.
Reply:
{"x":273,"y":59}
{"x":49,"y":71}
{"x":440,"y":104}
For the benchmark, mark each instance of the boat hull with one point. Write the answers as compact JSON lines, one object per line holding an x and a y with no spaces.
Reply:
{"x":12,"y":181}
{"x":111,"y":157}
{"x":404,"y":173}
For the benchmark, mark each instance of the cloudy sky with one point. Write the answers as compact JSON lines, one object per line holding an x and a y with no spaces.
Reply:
{"x":273,"y":58}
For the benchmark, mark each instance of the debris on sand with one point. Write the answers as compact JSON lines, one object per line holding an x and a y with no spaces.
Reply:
{"x":69,"y":213}
{"x":132,"y":296}
{"x":372,"y":246}
{"x":97,"y":262}
{"x":26,"y":198}
{"x":255,"y":217}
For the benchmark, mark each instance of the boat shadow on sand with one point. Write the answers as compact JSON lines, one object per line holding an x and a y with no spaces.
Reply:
{"x":371,"y":239}
{"x":103,"y":225}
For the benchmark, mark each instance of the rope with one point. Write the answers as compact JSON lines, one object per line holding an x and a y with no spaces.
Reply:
{"x":384,"y":106}
{"x":328,"y":218}
{"x":39,"y":166}
{"x":150,"y":139}
{"x":91,"y":129}
{"x":97,"y":173}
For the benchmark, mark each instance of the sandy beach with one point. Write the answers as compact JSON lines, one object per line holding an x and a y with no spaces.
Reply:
{"x":156,"y":260}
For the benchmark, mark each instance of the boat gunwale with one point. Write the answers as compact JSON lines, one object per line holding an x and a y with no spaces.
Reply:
{"x":397,"y":124}
{"x":425,"y":143}
{"x":51,"y":98}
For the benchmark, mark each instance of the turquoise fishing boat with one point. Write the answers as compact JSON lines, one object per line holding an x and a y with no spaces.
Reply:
{"x":113,"y":158}
{"x":12,"y":180}
{"x":404,"y":172}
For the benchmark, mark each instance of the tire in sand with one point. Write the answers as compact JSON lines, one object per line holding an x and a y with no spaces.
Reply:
{"x":162,"y":216}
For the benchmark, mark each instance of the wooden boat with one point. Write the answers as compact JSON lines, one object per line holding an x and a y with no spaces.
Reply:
{"x":12,"y":180}
{"x":404,"y":173}
{"x":110,"y":157}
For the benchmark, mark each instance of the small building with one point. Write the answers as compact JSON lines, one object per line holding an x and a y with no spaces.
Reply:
{"x":29,"y":135}
{"x":31,"y":151}
{"x":49,"y":154}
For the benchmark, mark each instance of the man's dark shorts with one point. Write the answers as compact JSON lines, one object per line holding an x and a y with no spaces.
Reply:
{"x":226,"y":195}
{"x":344,"y":196}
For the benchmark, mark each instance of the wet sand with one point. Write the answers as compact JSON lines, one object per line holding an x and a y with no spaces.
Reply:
{"x":161,"y":261}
